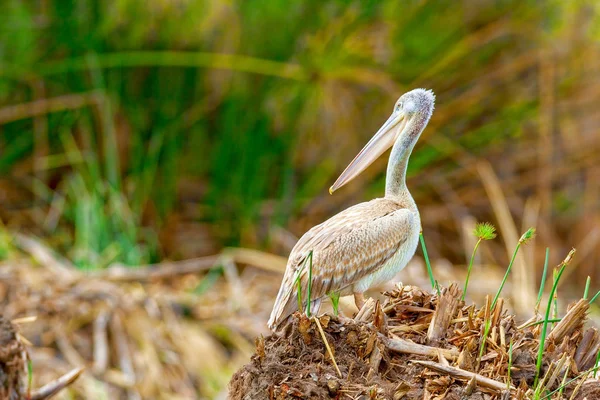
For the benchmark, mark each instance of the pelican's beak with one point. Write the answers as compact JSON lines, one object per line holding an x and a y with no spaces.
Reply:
{"x":383,"y":140}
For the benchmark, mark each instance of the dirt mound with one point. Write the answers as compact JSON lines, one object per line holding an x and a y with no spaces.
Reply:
{"x":420,"y":346}
{"x":12,"y":363}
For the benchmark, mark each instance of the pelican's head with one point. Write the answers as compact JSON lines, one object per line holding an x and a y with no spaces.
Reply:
{"x":409,"y":117}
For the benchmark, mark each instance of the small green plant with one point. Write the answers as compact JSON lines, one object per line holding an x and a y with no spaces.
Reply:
{"x":559,"y":271}
{"x":434,"y":284}
{"x":483,"y":231}
{"x":298,"y":283}
{"x":335,"y":301}
{"x":528,"y":235}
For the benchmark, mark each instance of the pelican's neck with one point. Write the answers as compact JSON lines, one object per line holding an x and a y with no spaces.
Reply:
{"x":395,"y":185}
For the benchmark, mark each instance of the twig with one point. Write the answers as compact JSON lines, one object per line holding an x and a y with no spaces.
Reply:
{"x":122,"y":348}
{"x":404,"y":346}
{"x":101,"y":342}
{"x":24,"y":320}
{"x":462,"y":374}
{"x":327,"y":346}
{"x":46,"y":257}
{"x":255,"y":258}
{"x":157,"y":271}
{"x":56,"y":385}
{"x":237,"y":297}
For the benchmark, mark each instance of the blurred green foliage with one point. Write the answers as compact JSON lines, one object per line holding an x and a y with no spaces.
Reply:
{"x":259,"y":101}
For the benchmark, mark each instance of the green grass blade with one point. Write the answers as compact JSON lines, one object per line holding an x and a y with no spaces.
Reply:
{"x":512,"y":260}
{"x":541,"y":322}
{"x":29,"y":374}
{"x":586,"y":291}
{"x":548,"y":395}
{"x":538,"y":364}
{"x":554,"y":300}
{"x":469,"y":269}
{"x":486,"y":331}
{"x":529,"y":234}
{"x":429,"y":270}
{"x":309,"y":286}
{"x":562,"y":383}
{"x":543,"y":281}
{"x":557,"y":275}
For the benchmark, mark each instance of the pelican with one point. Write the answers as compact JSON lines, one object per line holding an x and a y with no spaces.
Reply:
{"x":369,"y":243}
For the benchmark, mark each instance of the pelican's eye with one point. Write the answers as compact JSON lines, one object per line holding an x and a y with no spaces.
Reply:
{"x":398,"y":106}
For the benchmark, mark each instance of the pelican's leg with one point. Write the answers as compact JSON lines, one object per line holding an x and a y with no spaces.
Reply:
{"x":359,"y":300}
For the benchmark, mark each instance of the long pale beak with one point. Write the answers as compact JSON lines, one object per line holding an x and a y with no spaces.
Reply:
{"x":379,"y":143}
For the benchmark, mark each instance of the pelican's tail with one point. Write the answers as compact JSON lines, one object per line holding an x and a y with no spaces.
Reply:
{"x":286,"y":304}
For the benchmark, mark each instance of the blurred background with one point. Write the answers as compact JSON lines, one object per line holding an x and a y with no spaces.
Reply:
{"x":205,"y":134}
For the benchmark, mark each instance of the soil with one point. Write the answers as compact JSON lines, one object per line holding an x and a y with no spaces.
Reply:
{"x":294,"y":364}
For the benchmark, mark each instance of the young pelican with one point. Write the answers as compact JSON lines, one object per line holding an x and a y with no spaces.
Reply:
{"x":366,"y":244}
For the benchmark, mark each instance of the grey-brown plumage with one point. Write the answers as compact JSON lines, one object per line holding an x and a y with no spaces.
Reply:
{"x":367,"y":244}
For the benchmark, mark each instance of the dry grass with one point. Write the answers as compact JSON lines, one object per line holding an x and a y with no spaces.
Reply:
{"x":139,"y":333}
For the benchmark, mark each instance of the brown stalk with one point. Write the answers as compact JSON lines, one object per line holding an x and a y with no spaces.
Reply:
{"x":327,"y":346}
{"x":464,"y":375}
{"x":404,"y":346}
{"x":101,"y":342}
{"x":122,"y":348}
{"x":444,"y":313}
{"x":570,"y":322}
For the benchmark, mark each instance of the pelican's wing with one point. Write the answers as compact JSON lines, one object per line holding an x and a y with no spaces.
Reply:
{"x":347,"y":247}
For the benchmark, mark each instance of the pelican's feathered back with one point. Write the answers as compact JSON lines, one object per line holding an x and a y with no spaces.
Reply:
{"x":346,"y":248}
